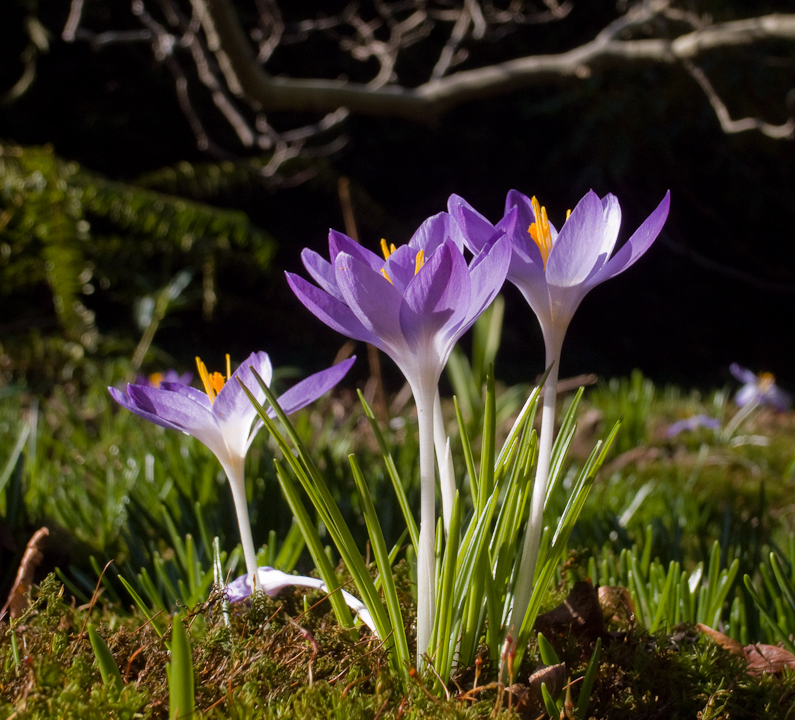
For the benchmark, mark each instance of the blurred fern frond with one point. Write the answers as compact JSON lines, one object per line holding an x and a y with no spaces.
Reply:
{"x":67,"y":233}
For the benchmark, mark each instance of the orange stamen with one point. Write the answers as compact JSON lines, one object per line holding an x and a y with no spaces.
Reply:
{"x":213,"y":383}
{"x":419,"y":261}
{"x":540,"y":232}
{"x":383,"y":272}
{"x":155,"y":379}
{"x":387,"y":250}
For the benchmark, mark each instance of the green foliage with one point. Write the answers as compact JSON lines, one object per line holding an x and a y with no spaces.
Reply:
{"x":93,"y":243}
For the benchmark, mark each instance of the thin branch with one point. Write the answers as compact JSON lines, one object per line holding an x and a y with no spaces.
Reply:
{"x":729,"y":126}
{"x":431,"y":99}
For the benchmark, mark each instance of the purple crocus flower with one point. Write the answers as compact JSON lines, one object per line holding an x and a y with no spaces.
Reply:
{"x":759,"y":389}
{"x":223,"y":418}
{"x":273,"y":581}
{"x":555,"y":271}
{"x":414,"y":303}
{"x":168,"y":376}
{"x":692,"y":423}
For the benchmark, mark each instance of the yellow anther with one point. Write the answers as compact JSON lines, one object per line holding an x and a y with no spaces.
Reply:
{"x":419,"y":261}
{"x":383,"y":272}
{"x":766,"y":380}
{"x":568,"y":214}
{"x":155,"y":379}
{"x":387,"y":250}
{"x":540,"y":232}
{"x":215,"y":381}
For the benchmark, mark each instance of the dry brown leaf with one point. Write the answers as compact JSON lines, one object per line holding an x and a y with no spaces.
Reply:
{"x":724,"y":641}
{"x":760,"y":658}
{"x":768,"y":659}
{"x":18,"y":597}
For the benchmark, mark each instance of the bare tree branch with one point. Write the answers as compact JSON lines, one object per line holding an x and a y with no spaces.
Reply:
{"x":729,"y":126}
{"x":230,"y":62}
{"x":604,"y":52}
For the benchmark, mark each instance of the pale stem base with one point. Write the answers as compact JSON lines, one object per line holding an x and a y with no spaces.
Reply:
{"x":238,"y":486}
{"x":444,"y":459}
{"x":532,"y":539}
{"x":426,"y":585}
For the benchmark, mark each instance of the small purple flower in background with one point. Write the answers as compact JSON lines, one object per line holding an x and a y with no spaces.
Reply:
{"x":274,"y":581}
{"x":759,"y":390}
{"x":156,"y":379}
{"x":692,"y":423}
{"x":222,"y":417}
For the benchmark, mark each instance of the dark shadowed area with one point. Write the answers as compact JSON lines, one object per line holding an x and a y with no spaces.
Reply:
{"x":718,"y":286}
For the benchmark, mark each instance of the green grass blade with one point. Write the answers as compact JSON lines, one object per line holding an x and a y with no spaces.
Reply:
{"x":397,"y":626}
{"x":467,"y":448}
{"x":588,"y":680}
{"x":393,"y":473}
{"x":108,"y":668}
{"x":182,"y":698}
{"x":315,"y":546}
{"x":549,"y":703}
{"x":782,"y":636}
{"x":781,"y":579}
{"x":142,"y":606}
{"x":546,"y":651}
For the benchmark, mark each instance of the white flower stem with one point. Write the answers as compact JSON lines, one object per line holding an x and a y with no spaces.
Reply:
{"x":444,"y":459}
{"x":532,"y":538}
{"x":426,"y":586}
{"x":739,"y":418}
{"x":238,"y":485}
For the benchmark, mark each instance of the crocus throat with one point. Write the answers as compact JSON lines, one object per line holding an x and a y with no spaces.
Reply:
{"x":539,"y":230}
{"x":213,"y":382}
{"x":419,"y":260}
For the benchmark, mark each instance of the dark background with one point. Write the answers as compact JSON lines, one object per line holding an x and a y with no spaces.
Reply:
{"x":717,"y":287}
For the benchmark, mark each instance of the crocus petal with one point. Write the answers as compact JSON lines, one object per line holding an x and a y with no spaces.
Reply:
{"x":322,"y":272}
{"x":778,"y":398}
{"x":373,"y":300}
{"x":692,"y":423}
{"x":611,"y":214}
{"x":127,"y":402}
{"x":340,"y":243}
{"x":274,"y":581}
{"x":742,"y":374}
{"x":434,"y":231}
{"x":487,"y":275}
{"x":181,"y":412}
{"x":232,"y":407}
{"x":331,"y":311}
{"x":401,"y":267}
{"x":192,"y":393}
{"x":574,"y":254}
{"x":311,"y":388}
{"x":746,"y":394}
{"x":232,"y":403}
{"x":437,"y":298}
{"x":521,"y":239}
{"x":476,"y":229}
{"x":638,"y":244}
